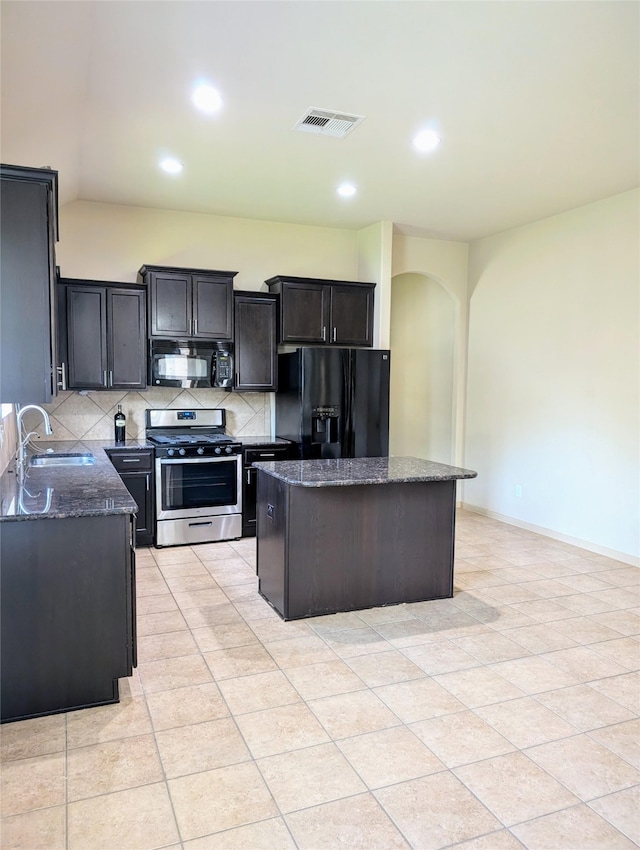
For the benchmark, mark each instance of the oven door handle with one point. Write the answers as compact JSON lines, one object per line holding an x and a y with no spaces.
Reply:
{"x":218,"y":459}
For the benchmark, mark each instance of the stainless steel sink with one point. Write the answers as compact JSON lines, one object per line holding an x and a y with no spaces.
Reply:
{"x":63,"y":459}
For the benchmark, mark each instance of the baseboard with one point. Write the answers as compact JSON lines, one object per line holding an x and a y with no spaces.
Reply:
{"x":554,"y":535}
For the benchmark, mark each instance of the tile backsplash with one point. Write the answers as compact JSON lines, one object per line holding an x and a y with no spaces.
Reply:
{"x":8,"y":439}
{"x":89,"y":415}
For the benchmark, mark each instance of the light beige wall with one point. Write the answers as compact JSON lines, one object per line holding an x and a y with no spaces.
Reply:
{"x":375,"y":249}
{"x":109,"y":242}
{"x":422,"y":366}
{"x":553,"y":385}
{"x":445,"y":263}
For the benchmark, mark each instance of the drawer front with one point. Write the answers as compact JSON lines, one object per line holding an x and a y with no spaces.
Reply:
{"x":132,"y":461}
{"x":265,"y":454}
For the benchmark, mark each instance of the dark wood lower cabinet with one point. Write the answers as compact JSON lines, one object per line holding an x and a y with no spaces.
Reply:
{"x":68,"y":619}
{"x":136,"y":469}
{"x":343,"y":548}
{"x":253,"y":454}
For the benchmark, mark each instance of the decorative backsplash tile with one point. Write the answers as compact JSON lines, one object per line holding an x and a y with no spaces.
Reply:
{"x":89,"y":415}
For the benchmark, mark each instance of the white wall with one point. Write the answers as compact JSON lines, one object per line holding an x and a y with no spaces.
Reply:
{"x":422,"y":369}
{"x":553,"y":375}
{"x":375,"y":249}
{"x":110,"y":242}
{"x":444,"y":263}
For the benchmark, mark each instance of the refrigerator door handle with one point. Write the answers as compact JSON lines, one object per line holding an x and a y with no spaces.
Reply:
{"x":335,"y":334}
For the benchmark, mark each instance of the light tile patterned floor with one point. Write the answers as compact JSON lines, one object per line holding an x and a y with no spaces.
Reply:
{"x":505,"y":717}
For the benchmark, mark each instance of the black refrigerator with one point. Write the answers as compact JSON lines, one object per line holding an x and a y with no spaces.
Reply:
{"x":334,"y":402}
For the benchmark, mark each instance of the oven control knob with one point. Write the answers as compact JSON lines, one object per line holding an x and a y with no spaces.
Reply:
{"x":170,"y":452}
{"x":182,"y":452}
{"x":228,"y":450}
{"x":200,"y":451}
{"x":218,"y":450}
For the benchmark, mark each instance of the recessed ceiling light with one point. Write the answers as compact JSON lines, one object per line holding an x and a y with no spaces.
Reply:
{"x":170,"y":165}
{"x":347,"y":190}
{"x":426,"y":141}
{"x":206,"y":98}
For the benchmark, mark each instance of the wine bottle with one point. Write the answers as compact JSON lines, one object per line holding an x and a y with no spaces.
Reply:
{"x":120,"y":422}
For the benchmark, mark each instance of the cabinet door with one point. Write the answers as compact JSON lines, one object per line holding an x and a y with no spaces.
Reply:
{"x":304,"y":312}
{"x":25,"y":291}
{"x":250,"y":481}
{"x":351,"y":315}
{"x":212,"y":307}
{"x":139,"y":486}
{"x":127,"y":344}
{"x":170,"y":306}
{"x":87,"y":337}
{"x":255,"y":344}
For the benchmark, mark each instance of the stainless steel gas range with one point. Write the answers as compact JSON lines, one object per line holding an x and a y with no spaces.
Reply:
{"x":198,"y":476}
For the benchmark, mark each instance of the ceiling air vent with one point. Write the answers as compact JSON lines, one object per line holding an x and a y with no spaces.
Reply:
{"x":326,"y":122}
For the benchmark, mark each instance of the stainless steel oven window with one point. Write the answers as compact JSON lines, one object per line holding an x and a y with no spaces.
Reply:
{"x":198,"y":487}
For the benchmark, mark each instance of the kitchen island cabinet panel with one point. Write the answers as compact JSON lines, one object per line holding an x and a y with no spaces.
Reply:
{"x":347,"y":534}
{"x":68,"y":613}
{"x":348,"y":548}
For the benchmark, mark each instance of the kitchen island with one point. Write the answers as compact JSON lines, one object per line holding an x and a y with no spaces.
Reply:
{"x":353,"y":533}
{"x":67,"y":585}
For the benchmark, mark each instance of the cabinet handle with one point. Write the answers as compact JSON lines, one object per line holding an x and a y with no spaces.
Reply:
{"x":110,"y":378}
{"x":335,"y":334}
{"x":148,"y":477}
{"x":130,"y":460}
{"x":104,"y":379}
{"x":62,"y":371}
{"x":267,"y":454}
{"x":195,"y":327}
{"x":324,"y":334}
{"x":248,"y":476}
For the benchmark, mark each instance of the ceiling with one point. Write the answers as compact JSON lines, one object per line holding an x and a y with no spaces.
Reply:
{"x":537,"y":105}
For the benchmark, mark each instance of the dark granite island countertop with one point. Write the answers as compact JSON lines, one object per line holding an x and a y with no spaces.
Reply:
{"x":352,"y":533}
{"x":344,"y":472}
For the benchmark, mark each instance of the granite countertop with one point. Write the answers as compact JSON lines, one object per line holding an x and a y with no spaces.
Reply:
{"x":262,"y":441}
{"x":58,"y":492}
{"x":345,"y":472}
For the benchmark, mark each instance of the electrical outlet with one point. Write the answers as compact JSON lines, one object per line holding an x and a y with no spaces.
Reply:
{"x":518,"y":490}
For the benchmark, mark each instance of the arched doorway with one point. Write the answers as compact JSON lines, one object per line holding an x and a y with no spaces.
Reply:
{"x":422,"y":368}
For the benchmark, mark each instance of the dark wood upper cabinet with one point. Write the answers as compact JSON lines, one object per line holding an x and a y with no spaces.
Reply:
{"x":352,"y":314}
{"x":126,"y":338}
{"x":29,"y":231}
{"x":255,"y":319}
{"x":170,"y":307}
{"x":324,"y":312}
{"x":87,"y":338}
{"x":189,"y":303}
{"x":104,"y":340}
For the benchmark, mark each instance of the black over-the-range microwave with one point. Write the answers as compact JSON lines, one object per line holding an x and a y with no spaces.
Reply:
{"x":177,"y":363}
